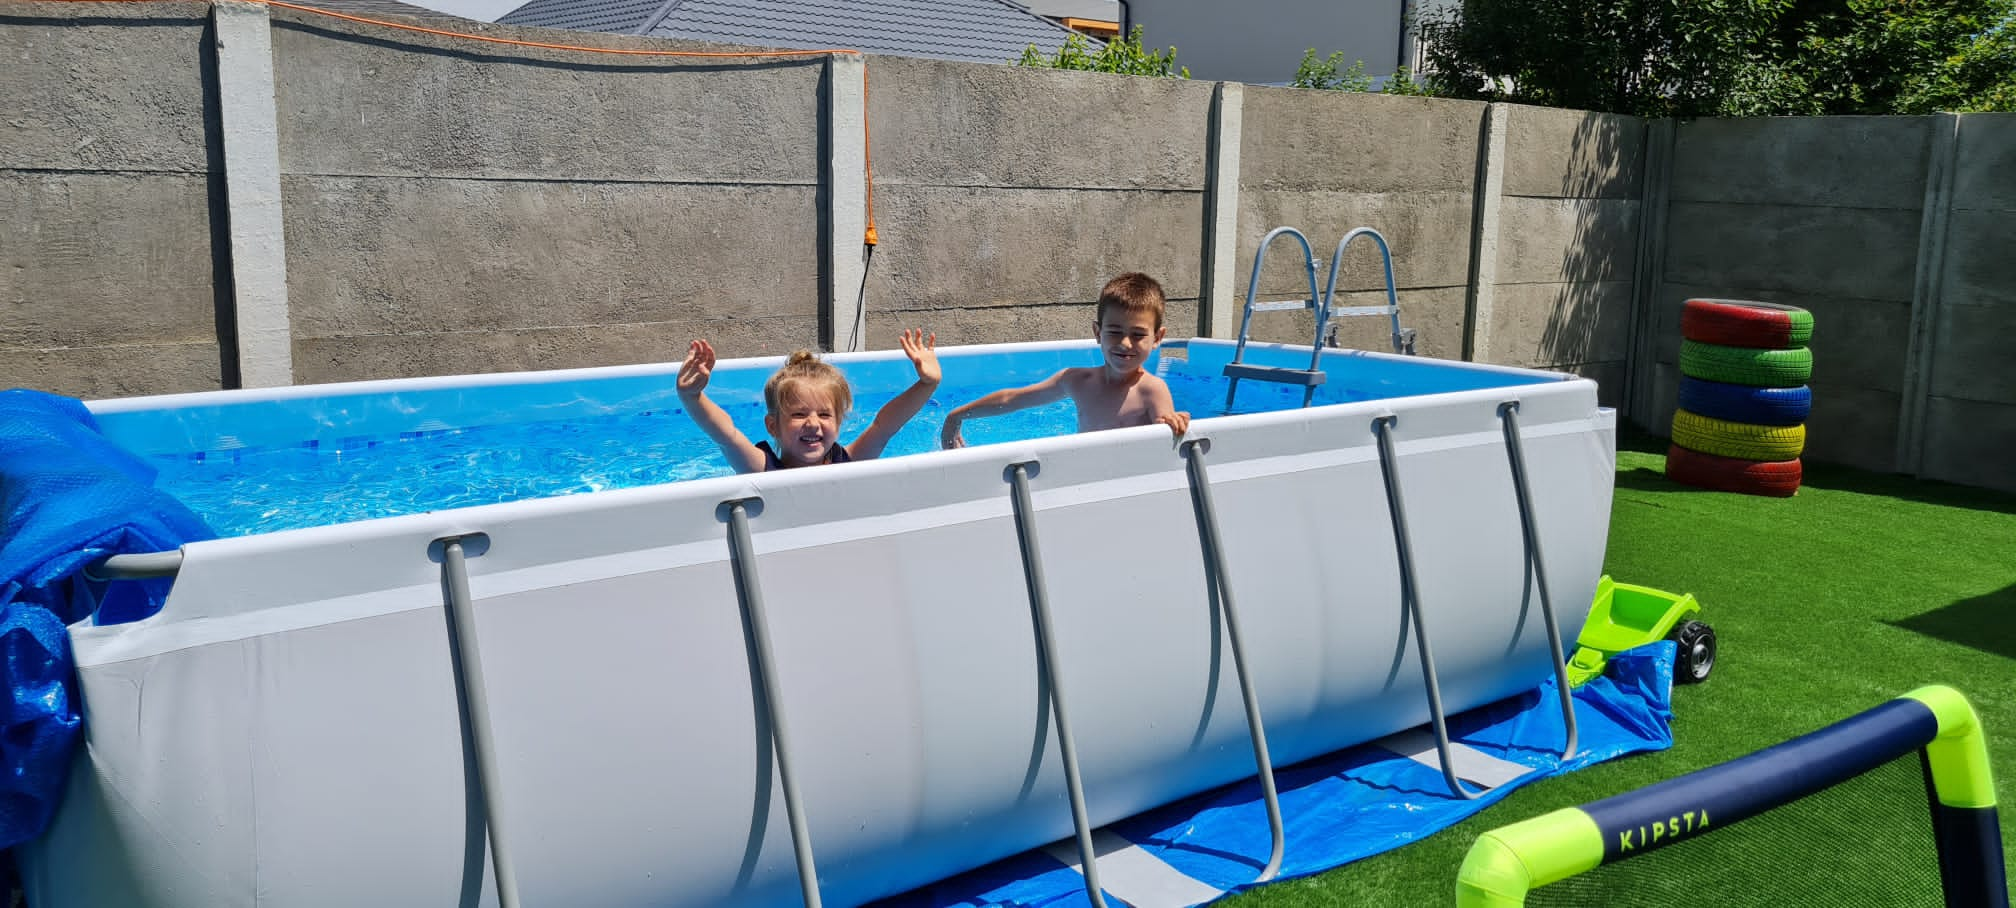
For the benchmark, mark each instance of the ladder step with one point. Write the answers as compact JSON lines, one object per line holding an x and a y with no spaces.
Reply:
{"x":1282,"y":305}
{"x":1363,"y":310}
{"x":1281,"y":374}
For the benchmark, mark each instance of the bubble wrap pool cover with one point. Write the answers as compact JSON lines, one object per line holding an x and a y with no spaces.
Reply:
{"x":68,"y":497}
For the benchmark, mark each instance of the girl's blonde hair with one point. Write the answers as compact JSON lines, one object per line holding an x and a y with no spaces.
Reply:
{"x":806,"y":368}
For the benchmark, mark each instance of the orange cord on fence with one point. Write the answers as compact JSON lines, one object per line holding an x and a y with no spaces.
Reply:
{"x":868,"y":178}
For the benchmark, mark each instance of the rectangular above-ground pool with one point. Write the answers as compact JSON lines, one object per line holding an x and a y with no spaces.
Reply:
{"x":287,"y":730}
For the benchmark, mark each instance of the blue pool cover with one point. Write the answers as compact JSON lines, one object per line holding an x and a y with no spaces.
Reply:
{"x":68,"y":497}
{"x":1336,"y":809}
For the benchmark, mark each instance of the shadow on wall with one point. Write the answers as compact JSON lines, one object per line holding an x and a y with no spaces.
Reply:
{"x":1588,"y":311}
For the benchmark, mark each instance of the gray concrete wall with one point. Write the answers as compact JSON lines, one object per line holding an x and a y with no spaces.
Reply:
{"x":1970,"y":414}
{"x":1821,"y":213}
{"x":451,"y":209}
{"x":1327,"y":162}
{"x":1262,"y":41}
{"x":1005,"y":198}
{"x":108,"y":196}
{"x":1567,"y":241}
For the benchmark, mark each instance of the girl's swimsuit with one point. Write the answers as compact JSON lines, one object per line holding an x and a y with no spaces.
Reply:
{"x":838,"y":454}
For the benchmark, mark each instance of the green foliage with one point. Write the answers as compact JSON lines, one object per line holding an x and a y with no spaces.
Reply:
{"x":1125,"y":56}
{"x":1728,"y":57}
{"x":1402,"y":83}
{"x":1330,"y":74}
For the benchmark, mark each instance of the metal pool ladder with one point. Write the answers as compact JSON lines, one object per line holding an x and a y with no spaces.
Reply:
{"x":1325,"y":336}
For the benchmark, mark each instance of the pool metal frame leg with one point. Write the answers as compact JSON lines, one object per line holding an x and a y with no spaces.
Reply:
{"x":748,"y":592}
{"x":1221,"y":584}
{"x":1382,"y":428}
{"x":1515,"y":450}
{"x":475,"y":702}
{"x":1039,"y":608}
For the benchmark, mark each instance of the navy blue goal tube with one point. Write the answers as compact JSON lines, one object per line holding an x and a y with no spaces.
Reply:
{"x":1745,"y":404}
{"x":1653,"y":817}
{"x":1969,"y":842}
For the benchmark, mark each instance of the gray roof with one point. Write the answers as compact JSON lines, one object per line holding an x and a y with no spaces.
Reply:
{"x":979,"y":31}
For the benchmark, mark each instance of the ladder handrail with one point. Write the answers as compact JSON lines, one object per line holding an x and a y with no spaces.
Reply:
{"x":1330,"y":286}
{"x":1382,"y":428}
{"x":1508,"y":412}
{"x":1046,"y":652}
{"x":474,"y":704}
{"x":1253,"y":291}
{"x":1221,"y":585}
{"x":749,"y":595}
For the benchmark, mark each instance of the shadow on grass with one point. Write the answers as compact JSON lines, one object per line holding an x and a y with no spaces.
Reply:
{"x":1832,"y":477}
{"x":1986,"y":623}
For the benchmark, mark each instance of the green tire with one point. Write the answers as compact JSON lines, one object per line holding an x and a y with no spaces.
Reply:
{"x":1737,"y":439}
{"x":1746,"y":365}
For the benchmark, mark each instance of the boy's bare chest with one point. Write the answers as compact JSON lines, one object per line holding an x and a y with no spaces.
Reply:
{"x":1102,"y":406}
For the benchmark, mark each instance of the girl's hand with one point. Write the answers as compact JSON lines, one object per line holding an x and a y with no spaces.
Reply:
{"x":697,"y":369}
{"x":923,"y":352}
{"x":1178,"y":422}
{"x":948,"y":434}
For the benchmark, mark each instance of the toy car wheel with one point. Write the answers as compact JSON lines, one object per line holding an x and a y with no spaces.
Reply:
{"x":1696,"y":657}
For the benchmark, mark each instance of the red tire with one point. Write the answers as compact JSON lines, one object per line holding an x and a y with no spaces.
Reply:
{"x":1776,"y":479}
{"x":1742,"y":323}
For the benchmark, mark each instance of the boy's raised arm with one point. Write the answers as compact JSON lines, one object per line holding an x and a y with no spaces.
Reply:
{"x":923,"y":352}
{"x":693,"y":375}
{"x":1007,"y":400}
{"x":1163,"y":405}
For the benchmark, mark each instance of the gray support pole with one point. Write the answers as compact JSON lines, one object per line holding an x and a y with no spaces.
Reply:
{"x":1039,"y":608}
{"x":1410,"y":599}
{"x":742,"y":553}
{"x":476,"y":700}
{"x":1647,"y":274}
{"x":1515,"y":452}
{"x":1483,"y":289}
{"x":1927,"y":293}
{"x":1221,"y":586}
{"x":251,"y":141}
{"x":1221,"y":211}
{"x":846,"y":176}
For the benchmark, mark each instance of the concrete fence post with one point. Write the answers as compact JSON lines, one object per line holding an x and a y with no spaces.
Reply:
{"x":1648,"y":272}
{"x":1221,"y":302}
{"x":1927,"y":294}
{"x":843,"y":301}
{"x":1490,"y":195}
{"x":258,"y":243}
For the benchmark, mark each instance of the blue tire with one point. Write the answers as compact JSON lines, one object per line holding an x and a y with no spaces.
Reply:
{"x":1746,"y":404}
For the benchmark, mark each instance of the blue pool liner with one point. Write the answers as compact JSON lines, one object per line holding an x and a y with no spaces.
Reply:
{"x":68,"y":497}
{"x":1348,"y":805}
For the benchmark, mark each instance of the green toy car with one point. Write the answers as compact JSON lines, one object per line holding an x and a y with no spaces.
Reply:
{"x":1626,"y":616}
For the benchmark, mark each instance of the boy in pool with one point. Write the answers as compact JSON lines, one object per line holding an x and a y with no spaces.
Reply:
{"x":1115,"y":394}
{"x":807,"y":399}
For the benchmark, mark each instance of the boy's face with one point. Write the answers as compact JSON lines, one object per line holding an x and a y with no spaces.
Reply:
{"x":805,"y":426}
{"x":1127,"y":338}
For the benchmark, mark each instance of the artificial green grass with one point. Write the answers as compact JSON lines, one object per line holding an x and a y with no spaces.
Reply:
{"x":1858,"y":589}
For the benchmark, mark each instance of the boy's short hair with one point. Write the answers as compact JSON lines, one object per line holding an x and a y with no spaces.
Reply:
{"x":804,"y":368}
{"x":1131,"y":292}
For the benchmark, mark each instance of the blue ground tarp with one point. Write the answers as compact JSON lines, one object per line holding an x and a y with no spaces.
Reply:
{"x":68,"y":497}
{"x":1336,"y":809}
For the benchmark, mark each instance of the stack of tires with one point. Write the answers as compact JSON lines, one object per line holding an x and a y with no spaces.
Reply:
{"x":1743,"y":397}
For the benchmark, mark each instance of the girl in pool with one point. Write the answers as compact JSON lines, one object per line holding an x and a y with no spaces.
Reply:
{"x":807,"y":400}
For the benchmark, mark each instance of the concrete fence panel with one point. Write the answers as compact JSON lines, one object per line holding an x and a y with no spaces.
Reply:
{"x":110,"y":188}
{"x":1328,"y":162}
{"x":1006,"y":197}
{"x":1971,"y":411}
{"x":460,"y":207}
{"x":1771,"y":209}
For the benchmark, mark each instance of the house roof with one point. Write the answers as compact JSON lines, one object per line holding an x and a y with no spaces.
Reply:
{"x":979,"y":31}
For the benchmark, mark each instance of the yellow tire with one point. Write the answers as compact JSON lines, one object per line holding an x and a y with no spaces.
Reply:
{"x":1737,"y":439}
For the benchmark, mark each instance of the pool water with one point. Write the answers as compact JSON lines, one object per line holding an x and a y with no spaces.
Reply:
{"x":249,"y":490}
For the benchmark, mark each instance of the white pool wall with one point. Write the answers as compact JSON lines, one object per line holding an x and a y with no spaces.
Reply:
{"x":285,"y":732}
